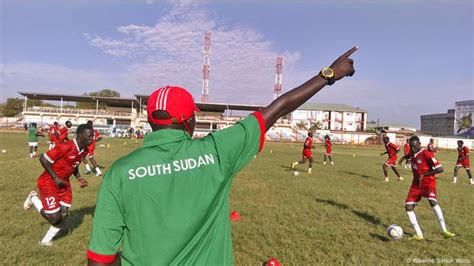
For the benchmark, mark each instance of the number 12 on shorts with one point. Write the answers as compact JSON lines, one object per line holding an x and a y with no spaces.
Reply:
{"x":51,"y":201}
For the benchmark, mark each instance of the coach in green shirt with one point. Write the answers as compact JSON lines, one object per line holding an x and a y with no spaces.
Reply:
{"x":166,"y":203}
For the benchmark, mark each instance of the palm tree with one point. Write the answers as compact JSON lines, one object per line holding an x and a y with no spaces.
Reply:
{"x":301,"y":125}
{"x":315,"y":126}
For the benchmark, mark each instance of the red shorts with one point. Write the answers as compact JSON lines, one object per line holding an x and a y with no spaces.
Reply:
{"x":53,"y":197}
{"x":328,"y":151}
{"x":464,"y":163}
{"x":392,"y":161}
{"x":416,"y":193}
{"x":307,"y":153}
{"x":90,"y":150}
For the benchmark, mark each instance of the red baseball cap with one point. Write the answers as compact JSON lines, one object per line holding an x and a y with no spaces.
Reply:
{"x":178,"y":102}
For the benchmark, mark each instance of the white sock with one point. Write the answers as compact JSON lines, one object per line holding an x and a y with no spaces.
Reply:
{"x":332,"y":162}
{"x":31,"y":155}
{"x":97,"y":170}
{"x":324,"y":163}
{"x":414,"y":222}
{"x":52,"y":231}
{"x":34,"y":153}
{"x":88,"y":167}
{"x":37,"y":202}
{"x":455,"y":179}
{"x":439,"y":215}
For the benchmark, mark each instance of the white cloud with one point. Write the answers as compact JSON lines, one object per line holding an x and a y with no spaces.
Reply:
{"x":170,"y":52}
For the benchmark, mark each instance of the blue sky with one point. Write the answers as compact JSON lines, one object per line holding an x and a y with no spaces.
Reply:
{"x":415,"y":57}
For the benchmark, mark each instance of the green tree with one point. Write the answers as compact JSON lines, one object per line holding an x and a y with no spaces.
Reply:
{"x":315,"y":126}
{"x":101,"y":93}
{"x":14,"y":106}
{"x":301,"y":125}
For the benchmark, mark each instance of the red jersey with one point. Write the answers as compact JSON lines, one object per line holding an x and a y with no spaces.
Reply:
{"x":391,"y":150}
{"x":462,"y":152}
{"x":328,"y":145}
{"x":308,"y":143}
{"x":52,"y":134}
{"x":65,"y":157}
{"x":63,"y":132}
{"x":422,"y":162}
{"x":96,"y":135}
{"x":430,"y":147}
{"x":406,"y":148}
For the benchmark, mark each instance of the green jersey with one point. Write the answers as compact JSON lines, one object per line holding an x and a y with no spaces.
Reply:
{"x":32,"y":134}
{"x":166,"y":203}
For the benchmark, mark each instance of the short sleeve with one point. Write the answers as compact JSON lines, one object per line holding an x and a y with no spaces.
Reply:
{"x":466,"y":151}
{"x":56,"y":153}
{"x":432,"y":161}
{"x":63,"y":134}
{"x":109,"y":224}
{"x":237,"y":145}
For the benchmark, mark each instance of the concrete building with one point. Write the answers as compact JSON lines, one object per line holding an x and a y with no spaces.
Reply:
{"x":438,"y":124}
{"x":338,"y":117}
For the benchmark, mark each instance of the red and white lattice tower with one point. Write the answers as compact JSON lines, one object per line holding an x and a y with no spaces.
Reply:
{"x":278,"y":77}
{"x":205,"y":67}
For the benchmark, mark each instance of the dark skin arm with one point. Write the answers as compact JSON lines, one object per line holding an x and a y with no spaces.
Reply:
{"x":404,"y":157}
{"x":431,"y":172}
{"x":47,"y":166}
{"x":82,"y":182}
{"x":288,"y":102}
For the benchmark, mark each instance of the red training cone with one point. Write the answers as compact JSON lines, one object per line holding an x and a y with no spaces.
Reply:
{"x":273,"y":262}
{"x":234,"y":216}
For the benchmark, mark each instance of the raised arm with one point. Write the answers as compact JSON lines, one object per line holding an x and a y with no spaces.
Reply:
{"x":288,"y":102}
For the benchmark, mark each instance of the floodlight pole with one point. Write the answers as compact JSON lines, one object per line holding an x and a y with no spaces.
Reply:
{"x":26,"y":102}
{"x":206,"y":67}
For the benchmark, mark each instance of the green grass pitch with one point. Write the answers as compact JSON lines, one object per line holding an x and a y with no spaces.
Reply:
{"x":337,"y":214}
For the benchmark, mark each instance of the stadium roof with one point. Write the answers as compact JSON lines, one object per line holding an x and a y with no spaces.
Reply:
{"x":110,"y":101}
{"x":213,"y":107}
{"x":127,"y":102}
{"x":330,"y":107}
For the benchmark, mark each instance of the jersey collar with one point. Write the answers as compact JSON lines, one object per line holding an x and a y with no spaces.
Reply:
{"x":77,"y":146}
{"x":164,"y":136}
{"x":416,"y":154}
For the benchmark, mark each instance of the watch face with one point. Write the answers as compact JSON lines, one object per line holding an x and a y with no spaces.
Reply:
{"x":328,"y":72}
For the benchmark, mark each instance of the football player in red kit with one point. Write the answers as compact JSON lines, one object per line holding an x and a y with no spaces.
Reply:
{"x":55,"y":195}
{"x":431,"y":147}
{"x":53,"y":134}
{"x":391,"y":150}
{"x":91,"y":154}
{"x":424,"y":167}
{"x":463,"y":161}
{"x":328,"y":145}
{"x":307,"y":154}
{"x":406,"y":151}
{"x":64,"y":131}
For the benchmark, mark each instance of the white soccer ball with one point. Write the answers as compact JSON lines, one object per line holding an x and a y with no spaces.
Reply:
{"x":296,"y":173}
{"x":4,"y":151}
{"x":395,"y":231}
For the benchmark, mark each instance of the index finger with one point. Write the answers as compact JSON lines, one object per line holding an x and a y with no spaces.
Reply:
{"x":348,"y":53}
